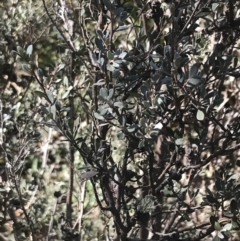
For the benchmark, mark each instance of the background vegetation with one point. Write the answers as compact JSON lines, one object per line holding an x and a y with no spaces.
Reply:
{"x":119,"y":120}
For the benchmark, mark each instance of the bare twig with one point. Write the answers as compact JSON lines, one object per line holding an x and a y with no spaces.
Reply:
{"x":81,"y":208}
{"x":51,"y":220}
{"x":3,"y":238}
{"x":70,"y":44}
{"x":29,"y":222}
{"x":190,"y":19}
{"x":45,"y":148}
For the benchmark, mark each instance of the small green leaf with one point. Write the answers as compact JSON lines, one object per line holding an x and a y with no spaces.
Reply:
{"x":156,"y":77}
{"x":110,"y":95}
{"x":20,"y":51}
{"x":88,"y":175}
{"x":82,"y":13}
{"x":153,"y":65}
{"x":102,"y":110}
{"x":60,"y":67}
{"x":194,"y":70}
{"x":143,"y":122}
{"x":146,"y":104}
{"x":167,"y":80}
{"x":100,"y":82}
{"x":122,"y":55}
{"x":98,"y":116}
{"x":123,"y":16}
{"x":214,"y":6}
{"x":119,"y":104}
{"x":100,"y":33}
{"x":204,"y":12}
{"x":179,"y":141}
{"x":227,"y":227}
{"x":99,"y":44}
{"x":53,"y":111}
{"x":238,"y":162}
{"x":50,"y":96}
{"x":40,"y":74}
{"x":51,"y":125}
{"x":144,"y":89}
{"x":132,"y":128}
{"x":235,"y":223}
{"x":110,"y":67}
{"x":233,"y":177}
{"x":109,"y":5}
{"x":120,"y":136}
{"x":194,"y":81}
{"x":139,"y":135}
{"x":200,"y":115}
{"x":217,"y":226}
{"x":118,"y":11}
{"x":110,"y":55}
{"x":122,"y":28}
{"x":40,"y":94}
{"x":235,"y":62}
{"x":158,"y":126}
{"x":220,"y":235}
{"x":65,"y":95}
{"x":178,"y":62}
{"x":27,"y":68}
{"x":76,"y":126}
{"x":216,"y":238}
{"x":104,"y":92}
{"x":122,"y":120}
{"x":30,"y":50}
{"x":57,"y":81}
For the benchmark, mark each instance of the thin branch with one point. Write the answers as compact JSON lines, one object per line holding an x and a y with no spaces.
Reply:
{"x":51,"y":220}
{"x":69,"y":43}
{"x":29,"y":222}
{"x":81,"y":207}
{"x":190,"y":19}
{"x":171,"y":220}
{"x":3,"y":238}
{"x":45,"y":149}
{"x":173,"y":158}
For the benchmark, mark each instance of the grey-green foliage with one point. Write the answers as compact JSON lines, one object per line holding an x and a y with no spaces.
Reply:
{"x":137,"y":99}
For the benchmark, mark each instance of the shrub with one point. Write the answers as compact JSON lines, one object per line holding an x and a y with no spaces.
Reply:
{"x":120,"y":120}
